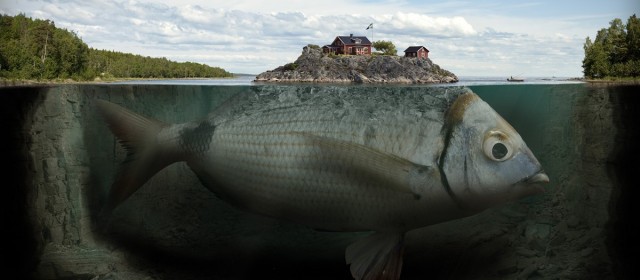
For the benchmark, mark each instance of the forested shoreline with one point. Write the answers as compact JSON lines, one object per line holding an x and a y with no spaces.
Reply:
{"x":36,"y":49}
{"x":615,"y":51}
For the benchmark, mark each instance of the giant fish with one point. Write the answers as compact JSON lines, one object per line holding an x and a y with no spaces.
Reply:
{"x":385,"y":161}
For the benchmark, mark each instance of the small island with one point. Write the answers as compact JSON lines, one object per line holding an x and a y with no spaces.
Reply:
{"x":349,"y":60}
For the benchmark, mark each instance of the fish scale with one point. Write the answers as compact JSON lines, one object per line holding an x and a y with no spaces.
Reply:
{"x":264,"y":147}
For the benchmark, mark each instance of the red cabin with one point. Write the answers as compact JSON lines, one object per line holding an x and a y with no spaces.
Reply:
{"x":417,"y":51}
{"x":352,"y":45}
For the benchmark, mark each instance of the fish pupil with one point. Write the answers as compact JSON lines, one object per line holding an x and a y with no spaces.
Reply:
{"x":499,"y":151}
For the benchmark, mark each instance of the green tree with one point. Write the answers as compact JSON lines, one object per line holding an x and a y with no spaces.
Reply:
{"x":616,"y":42}
{"x":36,"y":49}
{"x":633,"y":42}
{"x":595,"y":63}
{"x":386,"y":47}
{"x":71,"y":53}
{"x":615,"y":51}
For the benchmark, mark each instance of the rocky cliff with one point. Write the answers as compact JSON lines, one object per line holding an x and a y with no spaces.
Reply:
{"x":314,"y":66}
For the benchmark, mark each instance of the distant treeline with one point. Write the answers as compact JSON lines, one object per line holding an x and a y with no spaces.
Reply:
{"x":615,"y":52}
{"x":36,"y":49}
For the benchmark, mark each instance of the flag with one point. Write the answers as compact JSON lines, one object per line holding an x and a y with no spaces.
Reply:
{"x":370,"y":26}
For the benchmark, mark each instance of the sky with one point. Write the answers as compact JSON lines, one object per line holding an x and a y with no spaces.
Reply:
{"x":537,"y":38}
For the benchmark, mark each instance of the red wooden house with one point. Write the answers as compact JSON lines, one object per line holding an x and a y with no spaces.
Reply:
{"x":353,"y":45}
{"x":417,"y":51}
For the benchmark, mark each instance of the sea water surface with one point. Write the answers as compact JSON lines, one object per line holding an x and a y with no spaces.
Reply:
{"x":173,"y":228}
{"x":246,"y":79}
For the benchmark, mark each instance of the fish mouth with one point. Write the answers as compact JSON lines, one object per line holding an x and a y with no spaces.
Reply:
{"x":536,"y":180}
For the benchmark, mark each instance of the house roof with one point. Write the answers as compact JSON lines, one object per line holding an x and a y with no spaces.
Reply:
{"x":415,"y":49}
{"x":347,"y":40}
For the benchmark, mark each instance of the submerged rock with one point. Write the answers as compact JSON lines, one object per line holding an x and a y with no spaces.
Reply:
{"x":314,"y":66}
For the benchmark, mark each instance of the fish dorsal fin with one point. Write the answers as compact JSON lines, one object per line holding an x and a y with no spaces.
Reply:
{"x":397,"y":173}
{"x":378,"y":256}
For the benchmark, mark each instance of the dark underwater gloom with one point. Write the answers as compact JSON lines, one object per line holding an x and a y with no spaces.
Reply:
{"x":61,"y":161}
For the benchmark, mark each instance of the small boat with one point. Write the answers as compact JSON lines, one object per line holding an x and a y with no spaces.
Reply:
{"x":512,"y":79}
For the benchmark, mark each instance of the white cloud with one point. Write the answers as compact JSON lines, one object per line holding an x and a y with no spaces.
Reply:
{"x":408,"y":23}
{"x":196,"y":14}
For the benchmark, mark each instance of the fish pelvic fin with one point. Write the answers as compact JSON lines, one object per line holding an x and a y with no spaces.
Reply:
{"x":376,"y":257}
{"x":137,"y":134}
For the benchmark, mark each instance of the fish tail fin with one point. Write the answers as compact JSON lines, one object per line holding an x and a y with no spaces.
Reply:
{"x":138,"y":135}
{"x":378,"y":256}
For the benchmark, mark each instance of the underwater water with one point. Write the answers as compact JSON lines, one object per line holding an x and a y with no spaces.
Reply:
{"x":173,"y":228}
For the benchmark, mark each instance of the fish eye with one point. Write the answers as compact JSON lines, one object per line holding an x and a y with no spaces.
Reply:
{"x":497,"y":147}
{"x":499,"y":150}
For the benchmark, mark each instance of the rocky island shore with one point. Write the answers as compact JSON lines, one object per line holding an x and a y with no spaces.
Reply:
{"x":317,"y":67}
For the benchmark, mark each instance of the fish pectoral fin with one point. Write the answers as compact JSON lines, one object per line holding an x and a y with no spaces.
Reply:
{"x":395,"y":172}
{"x":378,"y":256}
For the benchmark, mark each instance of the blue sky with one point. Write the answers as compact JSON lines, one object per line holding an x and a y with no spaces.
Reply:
{"x":469,"y":38}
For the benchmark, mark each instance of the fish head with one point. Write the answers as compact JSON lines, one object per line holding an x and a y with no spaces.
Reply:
{"x":485,"y":161}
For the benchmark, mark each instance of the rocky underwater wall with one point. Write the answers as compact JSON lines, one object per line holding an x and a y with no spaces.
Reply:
{"x":62,"y":160}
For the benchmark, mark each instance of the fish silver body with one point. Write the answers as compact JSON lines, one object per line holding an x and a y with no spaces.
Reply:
{"x":294,"y":159}
{"x":331,"y":159}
